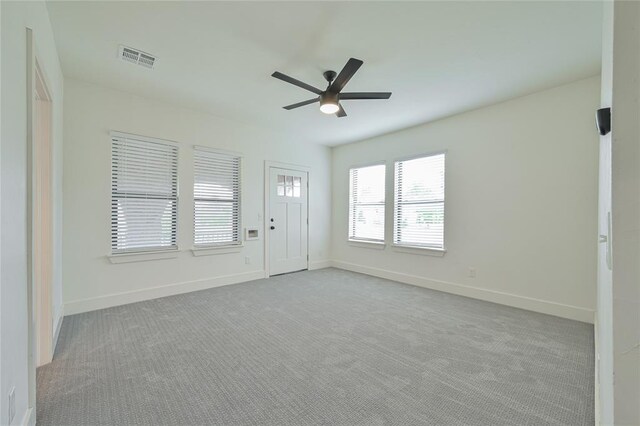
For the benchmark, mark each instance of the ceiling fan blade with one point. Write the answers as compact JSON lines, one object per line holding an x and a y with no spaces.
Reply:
{"x":341,"y":112}
{"x":303,"y":103}
{"x":295,"y":82}
{"x":345,"y":75}
{"x":365,"y":95}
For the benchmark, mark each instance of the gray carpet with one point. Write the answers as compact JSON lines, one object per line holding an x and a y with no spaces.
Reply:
{"x":319,"y":347}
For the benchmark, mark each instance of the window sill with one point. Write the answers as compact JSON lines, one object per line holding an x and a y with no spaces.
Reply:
{"x":143,"y":256}
{"x":208,"y":251}
{"x":425,"y":251}
{"x":367,"y":244}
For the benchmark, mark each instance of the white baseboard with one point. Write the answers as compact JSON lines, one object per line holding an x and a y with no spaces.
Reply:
{"x":531,"y":304}
{"x":56,"y":327}
{"x":92,"y":304}
{"x":319,"y":264}
{"x":523,"y":302}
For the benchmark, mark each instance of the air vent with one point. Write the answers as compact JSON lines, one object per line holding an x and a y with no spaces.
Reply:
{"x":135,"y":56}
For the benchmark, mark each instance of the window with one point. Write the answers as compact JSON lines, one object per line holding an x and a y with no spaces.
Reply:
{"x":216,"y":194}
{"x":366,"y":203}
{"x":419,"y":202}
{"x":144,"y":195}
{"x":289,"y":186}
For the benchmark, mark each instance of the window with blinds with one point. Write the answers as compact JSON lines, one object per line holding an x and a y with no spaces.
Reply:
{"x":144,"y":195}
{"x":419,"y":202}
{"x":216,"y":193}
{"x":366,"y":203}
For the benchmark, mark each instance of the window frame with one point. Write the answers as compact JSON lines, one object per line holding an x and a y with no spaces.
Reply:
{"x":217,"y":248}
{"x":144,"y":252}
{"x":413,"y":248}
{"x":367,"y":242}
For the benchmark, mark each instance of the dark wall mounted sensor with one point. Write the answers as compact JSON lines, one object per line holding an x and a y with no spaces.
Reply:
{"x":603,"y":120}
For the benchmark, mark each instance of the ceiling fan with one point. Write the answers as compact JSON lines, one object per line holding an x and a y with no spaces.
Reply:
{"x":330,"y":98}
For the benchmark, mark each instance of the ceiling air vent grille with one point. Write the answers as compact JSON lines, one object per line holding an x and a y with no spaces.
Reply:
{"x":146,"y":60}
{"x":135,"y":56}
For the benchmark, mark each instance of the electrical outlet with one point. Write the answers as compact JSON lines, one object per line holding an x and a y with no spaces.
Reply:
{"x":12,"y":404}
{"x":247,"y":260}
{"x":472,"y":272}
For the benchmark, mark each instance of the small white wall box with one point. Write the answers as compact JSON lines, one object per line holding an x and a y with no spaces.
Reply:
{"x":251,"y":234}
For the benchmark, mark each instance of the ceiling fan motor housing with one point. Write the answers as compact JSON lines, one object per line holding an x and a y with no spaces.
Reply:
{"x":328,"y":98}
{"x":329,"y":75}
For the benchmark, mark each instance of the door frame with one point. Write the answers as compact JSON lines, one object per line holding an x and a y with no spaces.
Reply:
{"x":42,"y":215}
{"x":268,"y":165}
{"x":603,"y":320}
{"x":39,"y":292}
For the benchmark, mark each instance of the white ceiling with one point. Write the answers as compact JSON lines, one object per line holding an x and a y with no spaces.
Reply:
{"x":438,"y":58}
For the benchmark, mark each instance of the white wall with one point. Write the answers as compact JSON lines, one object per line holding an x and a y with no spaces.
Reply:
{"x":521,"y":202}
{"x":626,"y":211}
{"x":16,"y":16}
{"x":90,"y":280}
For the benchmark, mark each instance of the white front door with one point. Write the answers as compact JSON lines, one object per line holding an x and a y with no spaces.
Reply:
{"x":287,"y":221}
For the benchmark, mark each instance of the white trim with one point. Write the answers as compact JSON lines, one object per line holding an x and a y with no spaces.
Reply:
{"x":116,"y":135}
{"x":424,"y":251}
{"x":279,"y":165}
{"x":31,"y":304}
{"x":370,"y":164}
{"x":319,"y":264}
{"x":354,"y":238}
{"x":218,"y":151}
{"x":123,"y":135}
{"x":29,"y":418}
{"x":57,"y":328}
{"x":394,"y":210}
{"x":124,"y":298}
{"x":376,"y":245}
{"x":528,"y":303}
{"x":207,"y":251}
{"x":241,"y":192}
{"x":266,"y":208}
{"x":267,"y":205}
{"x":42,"y":215}
{"x":596,"y":376}
{"x":142,"y":256}
{"x":421,"y":155}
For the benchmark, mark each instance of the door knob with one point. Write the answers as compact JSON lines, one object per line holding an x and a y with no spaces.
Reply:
{"x":273,"y":227}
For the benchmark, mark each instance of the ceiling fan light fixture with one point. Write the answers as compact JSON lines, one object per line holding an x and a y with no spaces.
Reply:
{"x":329,"y":103}
{"x":329,"y":108}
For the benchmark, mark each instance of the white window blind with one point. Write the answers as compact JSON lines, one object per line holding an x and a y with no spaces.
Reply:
{"x":216,"y":192}
{"x":419,"y":202}
{"x":366,"y":203}
{"x":144,"y":195}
